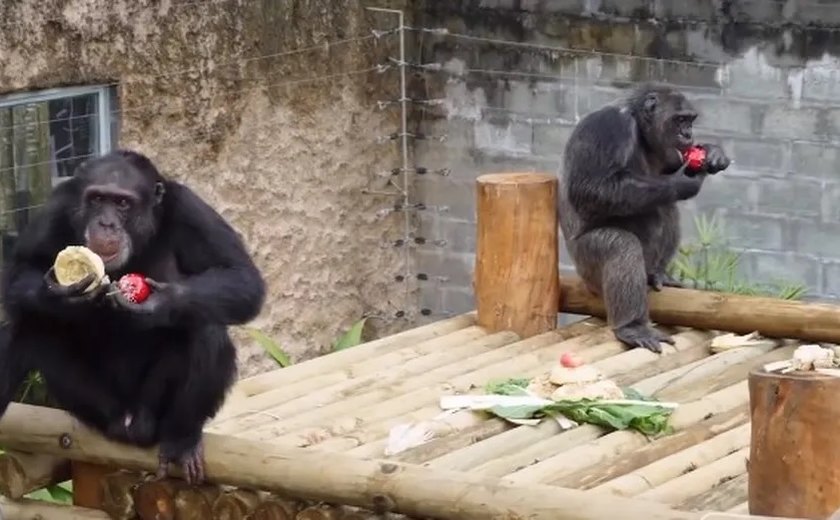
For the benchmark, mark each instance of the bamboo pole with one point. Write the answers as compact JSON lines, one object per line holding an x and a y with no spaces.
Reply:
{"x":270,"y":380}
{"x":28,"y":509}
{"x":22,"y":473}
{"x":624,"y":442}
{"x":700,"y":480}
{"x":664,"y":459}
{"x":330,"y":387}
{"x":721,"y":497}
{"x":371,"y":484}
{"x":523,"y":446}
{"x":516,"y":266}
{"x":335,"y":413}
{"x":370,"y":427}
{"x":590,"y":346}
{"x":795,"y":455}
{"x":772,"y":317}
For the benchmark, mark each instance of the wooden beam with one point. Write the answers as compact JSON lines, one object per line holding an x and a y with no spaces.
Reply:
{"x":22,"y":473}
{"x":772,"y":317}
{"x":334,"y":478}
{"x":516,"y":261}
{"x":27,"y":509}
{"x":794,"y":453}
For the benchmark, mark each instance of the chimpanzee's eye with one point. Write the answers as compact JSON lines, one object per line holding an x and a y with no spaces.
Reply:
{"x":123,"y":203}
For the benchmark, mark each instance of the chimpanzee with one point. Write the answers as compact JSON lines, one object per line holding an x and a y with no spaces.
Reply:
{"x":623,"y":173}
{"x":142,"y":373}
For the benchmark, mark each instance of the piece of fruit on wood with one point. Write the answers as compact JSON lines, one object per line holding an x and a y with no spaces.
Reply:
{"x":74,"y":263}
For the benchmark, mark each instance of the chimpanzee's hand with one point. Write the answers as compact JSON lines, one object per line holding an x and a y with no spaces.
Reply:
{"x":157,"y":307}
{"x":686,"y":184}
{"x":74,"y":294}
{"x":716,"y":159}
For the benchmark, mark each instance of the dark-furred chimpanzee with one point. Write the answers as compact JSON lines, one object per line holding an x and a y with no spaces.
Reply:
{"x":623,"y":174}
{"x":141,"y":373}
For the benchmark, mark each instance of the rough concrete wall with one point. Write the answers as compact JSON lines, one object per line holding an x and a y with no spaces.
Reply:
{"x":763,"y":75}
{"x":286,"y":164}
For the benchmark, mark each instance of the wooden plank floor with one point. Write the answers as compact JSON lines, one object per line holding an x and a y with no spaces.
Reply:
{"x":349,"y":401}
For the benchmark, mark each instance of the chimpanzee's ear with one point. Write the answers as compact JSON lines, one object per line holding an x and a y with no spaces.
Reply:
{"x":160,"y":189}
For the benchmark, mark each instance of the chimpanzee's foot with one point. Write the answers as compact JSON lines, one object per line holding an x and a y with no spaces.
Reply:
{"x":191,"y":463}
{"x":642,"y":336}
{"x":659,"y":280}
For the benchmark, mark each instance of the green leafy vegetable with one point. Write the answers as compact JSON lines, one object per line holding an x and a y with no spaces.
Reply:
{"x":510,"y":386}
{"x":650,"y":419}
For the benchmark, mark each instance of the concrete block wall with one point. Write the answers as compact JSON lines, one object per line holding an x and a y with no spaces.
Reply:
{"x":768,"y":93}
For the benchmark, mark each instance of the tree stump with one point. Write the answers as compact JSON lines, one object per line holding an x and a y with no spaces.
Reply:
{"x":794,"y":467}
{"x":516,"y":270}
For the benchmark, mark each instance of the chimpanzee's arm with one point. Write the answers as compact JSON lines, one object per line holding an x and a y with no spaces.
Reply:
{"x":23,"y":287}
{"x":604,"y":179}
{"x":221,"y":282}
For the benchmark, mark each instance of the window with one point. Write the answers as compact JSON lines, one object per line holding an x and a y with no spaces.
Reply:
{"x":44,"y":136}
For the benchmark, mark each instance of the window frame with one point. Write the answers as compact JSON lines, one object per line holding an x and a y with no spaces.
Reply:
{"x":103,"y":106}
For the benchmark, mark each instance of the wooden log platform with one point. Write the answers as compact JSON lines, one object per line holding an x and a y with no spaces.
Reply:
{"x":320,"y":434}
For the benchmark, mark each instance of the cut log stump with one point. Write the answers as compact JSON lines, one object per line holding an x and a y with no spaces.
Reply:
{"x":794,"y":466}
{"x":516,"y":271}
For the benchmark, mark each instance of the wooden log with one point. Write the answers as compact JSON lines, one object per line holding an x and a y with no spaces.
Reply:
{"x":87,"y":481}
{"x":236,"y":504}
{"x":772,"y":317}
{"x":795,"y":455}
{"x":516,"y":266}
{"x":22,"y":473}
{"x":277,"y":508}
{"x":173,"y":499}
{"x":28,"y":509}
{"x":118,"y":494}
{"x":320,"y":512}
{"x":270,"y":380}
{"x":376,"y":485}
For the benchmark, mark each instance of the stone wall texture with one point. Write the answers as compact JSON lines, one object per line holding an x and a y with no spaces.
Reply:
{"x":516,"y":76}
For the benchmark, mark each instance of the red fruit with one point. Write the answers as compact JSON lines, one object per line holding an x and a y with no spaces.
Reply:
{"x":569,"y":360}
{"x":695,"y":156}
{"x":134,"y":287}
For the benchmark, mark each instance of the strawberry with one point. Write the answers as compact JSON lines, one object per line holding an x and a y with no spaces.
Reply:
{"x":695,"y":157}
{"x":134,"y":288}
{"x":569,"y":360}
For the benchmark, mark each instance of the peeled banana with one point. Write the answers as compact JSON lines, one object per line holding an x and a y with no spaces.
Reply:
{"x":74,"y":263}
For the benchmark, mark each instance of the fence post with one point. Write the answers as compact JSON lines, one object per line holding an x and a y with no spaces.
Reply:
{"x":516,"y":272}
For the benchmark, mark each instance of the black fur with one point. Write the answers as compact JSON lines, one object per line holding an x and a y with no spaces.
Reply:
{"x":622,"y":176}
{"x":144,"y":374}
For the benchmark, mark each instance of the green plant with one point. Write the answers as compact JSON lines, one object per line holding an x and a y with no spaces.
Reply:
{"x":270,"y":346}
{"x":709,"y":264}
{"x":350,"y":338}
